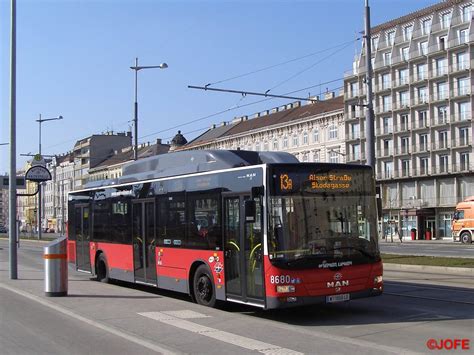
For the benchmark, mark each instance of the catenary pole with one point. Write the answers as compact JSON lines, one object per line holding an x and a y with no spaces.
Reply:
{"x":12,"y":177}
{"x":369,"y":113}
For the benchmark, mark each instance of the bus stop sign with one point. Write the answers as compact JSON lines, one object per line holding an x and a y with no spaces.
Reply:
{"x":38,"y":173}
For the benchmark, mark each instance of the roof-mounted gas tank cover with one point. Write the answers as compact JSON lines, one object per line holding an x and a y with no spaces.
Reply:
{"x":194,"y":161}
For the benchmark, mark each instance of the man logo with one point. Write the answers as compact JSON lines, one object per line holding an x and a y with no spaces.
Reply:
{"x":332,"y":284}
{"x":338,"y":276}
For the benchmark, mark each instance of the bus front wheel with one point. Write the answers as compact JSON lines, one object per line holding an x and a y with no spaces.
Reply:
{"x":102,"y":269}
{"x":204,"y":290}
{"x":466,"y":238}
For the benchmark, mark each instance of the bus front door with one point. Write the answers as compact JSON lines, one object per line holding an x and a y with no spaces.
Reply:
{"x":81,"y":223}
{"x":243,"y":252}
{"x":143,"y":229}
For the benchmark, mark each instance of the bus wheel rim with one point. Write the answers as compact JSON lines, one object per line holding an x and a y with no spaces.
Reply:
{"x":204,"y":288}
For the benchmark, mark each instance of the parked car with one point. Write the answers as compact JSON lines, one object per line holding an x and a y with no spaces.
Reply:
{"x":3,"y":229}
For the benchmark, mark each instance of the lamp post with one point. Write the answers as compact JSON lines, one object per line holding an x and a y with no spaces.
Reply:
{"x":135,"y":118}
{"x":40,"y":121}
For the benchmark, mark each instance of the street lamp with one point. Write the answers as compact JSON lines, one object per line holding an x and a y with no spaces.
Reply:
{"x":40,"y":121}
{"x":135,"y":119}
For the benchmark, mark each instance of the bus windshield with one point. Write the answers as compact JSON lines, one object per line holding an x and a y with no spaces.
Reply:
{"x":322,"y":216}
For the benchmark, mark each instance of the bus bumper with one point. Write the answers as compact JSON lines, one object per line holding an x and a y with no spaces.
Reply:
{"x":295,"y":301}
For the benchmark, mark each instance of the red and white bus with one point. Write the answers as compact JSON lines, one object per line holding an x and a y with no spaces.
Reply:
{"x":258,"y":228}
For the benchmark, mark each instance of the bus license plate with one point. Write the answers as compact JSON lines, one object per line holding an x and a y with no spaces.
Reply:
{"x":337,"y":298}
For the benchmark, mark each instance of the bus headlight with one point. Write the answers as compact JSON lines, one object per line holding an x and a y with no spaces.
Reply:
{"x":378,"y":280}
{"x":285,"y":289}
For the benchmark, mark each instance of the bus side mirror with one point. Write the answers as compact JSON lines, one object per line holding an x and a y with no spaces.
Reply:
{"x":250,"y":211}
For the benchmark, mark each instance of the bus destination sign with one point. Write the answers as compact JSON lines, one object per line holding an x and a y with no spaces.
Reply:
{"x":311,"y":181}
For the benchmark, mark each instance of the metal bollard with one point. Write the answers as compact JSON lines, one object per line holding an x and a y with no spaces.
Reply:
{"x":55,"y":268}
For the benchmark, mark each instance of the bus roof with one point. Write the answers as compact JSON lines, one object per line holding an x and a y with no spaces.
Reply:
{"x":192,"y":161}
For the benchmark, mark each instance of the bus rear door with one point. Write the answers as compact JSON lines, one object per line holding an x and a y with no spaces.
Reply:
{"x":82,"y":225}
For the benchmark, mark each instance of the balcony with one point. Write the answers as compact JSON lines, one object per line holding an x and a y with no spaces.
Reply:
{"x":401,"y":105}
{"x":460,"y":91}
{"x":463,"y":167}
{"x":401,"y":128}
{"x":440,"y":96}
{"x":461,"y":117}
{"x":440,"y":121}
{"x":439,"y":71}
{"x":461,"y":143}
{"x":459,"y":67}
{"x":402,"y":150}
{"x":385,"y":130}
{"x":420,"y":100}
{"x":383,"y":108}
{"x":458,"y":41}
{"x":385,"y":153}
{"x":356,"y":135}
{"x":440,"y":145}
{"x":420,"y":148}
{"x":401,"y":81}
{"x":354,"y":157}
{"x":421,"y":124}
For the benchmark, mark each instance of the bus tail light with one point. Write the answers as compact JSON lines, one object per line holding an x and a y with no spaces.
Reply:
{"x":285,"y":289}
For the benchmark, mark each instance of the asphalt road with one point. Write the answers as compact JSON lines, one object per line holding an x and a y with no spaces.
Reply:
{"x":448,"y":249}
{"x":117,"y":319}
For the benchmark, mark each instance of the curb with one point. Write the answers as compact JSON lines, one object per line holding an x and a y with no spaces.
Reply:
{"x":464,"y":271}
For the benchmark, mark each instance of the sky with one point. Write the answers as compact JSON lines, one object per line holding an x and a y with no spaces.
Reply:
{"x":74,"y":58}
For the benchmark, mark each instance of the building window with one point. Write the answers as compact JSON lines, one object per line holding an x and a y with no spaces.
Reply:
{"x":265,"y":146}
{"x":404,"y":99}
{"x":423,"y":47}
{"x":463,"y":36}
{"x":404,"y":145}
{"x":295,"y":141}
{"x":355,"y":131}
{"x":442,"y":89}
{"x":424,"y":170}
{"x":463,"y":86}
{"x":403,"y":76}
{"x":316,"y":156}
{"x":405,"y":53}
{"x":461,"y":61}
{"x":356,"y":152}
{"x":391,"y":37}
{"x":354,"y":89}
{"x":333,"y":156}
{"x":407,"y":31}
{"x":422,"y":94}
{"x":464,"y":160}
{"x":305,"y":138}
{"x":443,"y":163}
{"x":387,"y":125}
{"x":386,"y":81}
{"x":332,"y":132}
{"x":442,"y":114}
{"x":315,"y":135}
{"x":388,"y":169}
{"x":445,"y":19}
{"x":387,"y":147}
{"x":285,"y":142}
{"x":442,"y":42}
{"x":404,"y":122}
{"x":466,"y":13}
{"x":443,"y":139}
{"x":387,"y":58}
{"x":423,"y":140}
{"x":375,"y":42}
{"x":464,"y":136}
{"x":387,"y":103}
{"x":275,"y":145}
{"x":422,"y":119}
{"x":405,"y":167}
{"x":426,"y":26}
{"x":441,"y":67}
{"x":421,"y":71}
{"x":464,"y":109}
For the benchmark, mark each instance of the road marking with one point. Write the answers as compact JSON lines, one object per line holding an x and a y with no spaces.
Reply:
{"x":140,"y":341}
{"x":226,"y":337}
{"x":186,"y":314}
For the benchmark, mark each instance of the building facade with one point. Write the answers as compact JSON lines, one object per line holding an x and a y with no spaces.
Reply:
{"x":311,"y":132}
{"x":422,"y":82}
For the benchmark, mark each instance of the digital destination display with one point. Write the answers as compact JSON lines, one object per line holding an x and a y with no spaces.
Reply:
{"x":322,"y":180}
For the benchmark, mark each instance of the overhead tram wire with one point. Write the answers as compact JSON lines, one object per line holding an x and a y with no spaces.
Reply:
{"x":283,"y":63}
{"x":237,"y":107}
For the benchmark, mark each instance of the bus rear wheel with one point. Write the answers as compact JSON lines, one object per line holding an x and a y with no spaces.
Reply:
{"x":102,"y":269}
{"x":203,"y":287}
{"x":466,"y":238}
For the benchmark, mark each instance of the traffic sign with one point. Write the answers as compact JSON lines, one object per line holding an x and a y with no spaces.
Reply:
{"x":38,"y":173}
{"x":38,"y":160}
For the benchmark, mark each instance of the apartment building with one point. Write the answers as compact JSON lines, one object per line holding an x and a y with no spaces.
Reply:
{"x":311,"y":132}
{"x":422,"y":82}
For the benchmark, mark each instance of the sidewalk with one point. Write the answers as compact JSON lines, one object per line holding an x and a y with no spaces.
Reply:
{"x":409,"y":241}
